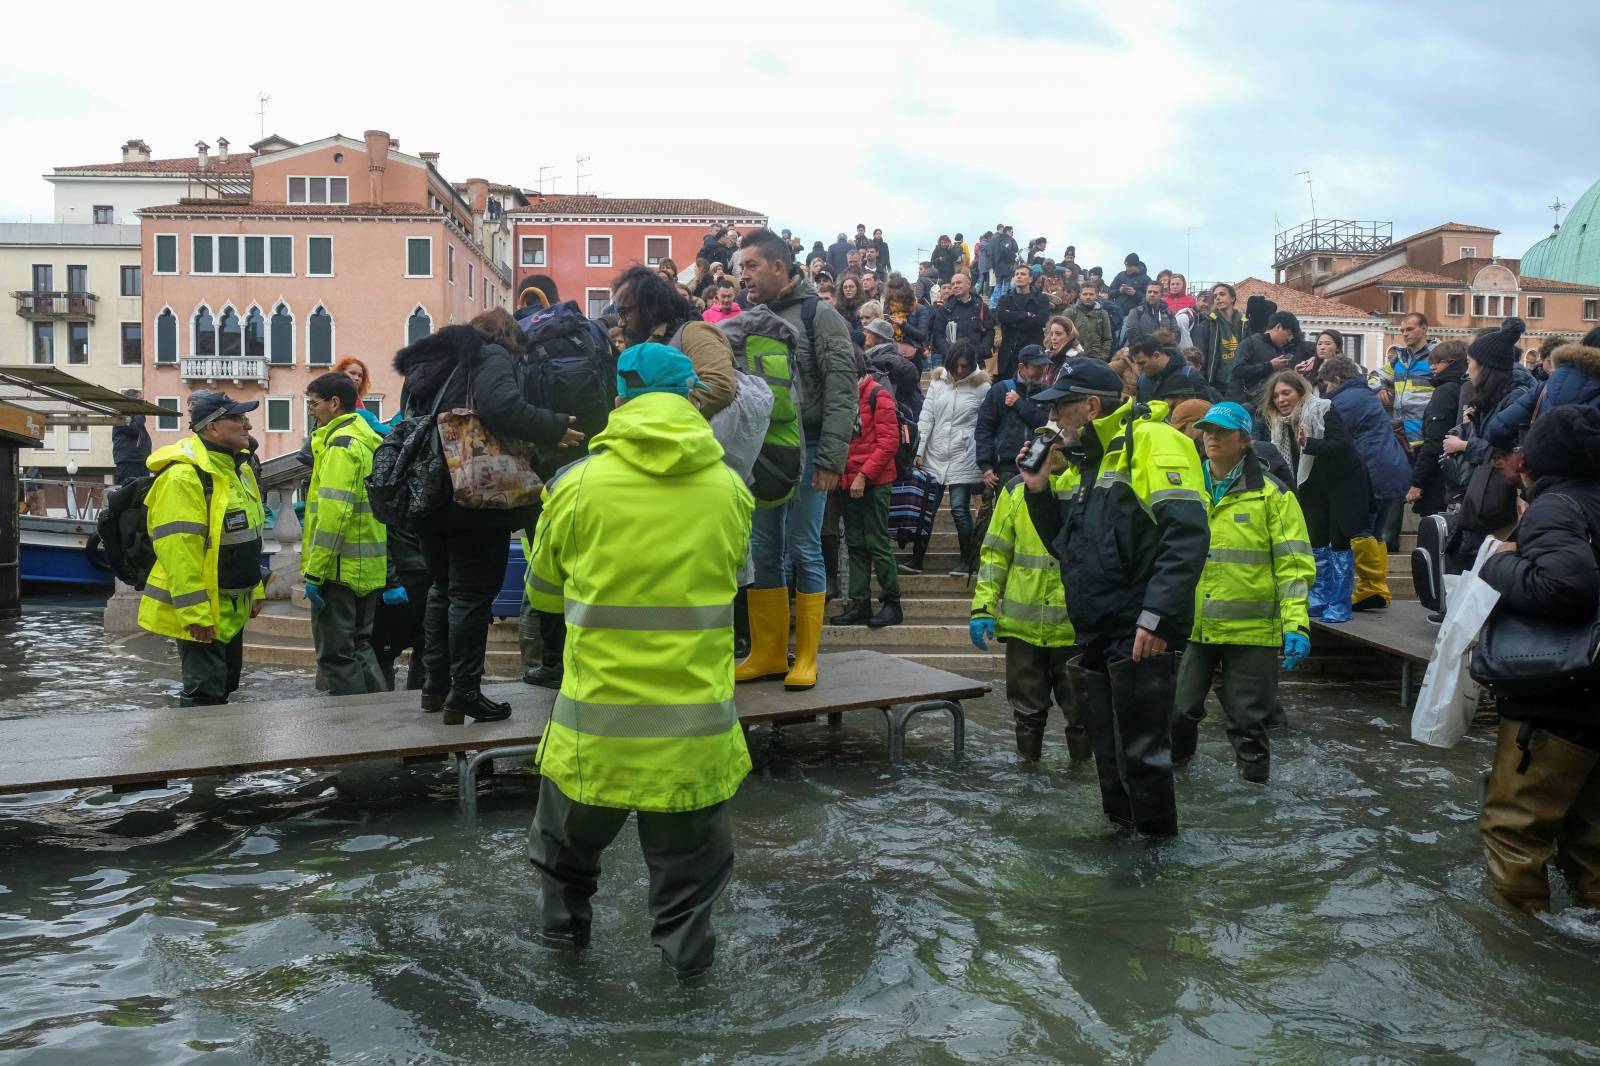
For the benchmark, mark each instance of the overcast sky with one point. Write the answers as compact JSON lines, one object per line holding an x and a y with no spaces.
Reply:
{"x":1173,"y":130}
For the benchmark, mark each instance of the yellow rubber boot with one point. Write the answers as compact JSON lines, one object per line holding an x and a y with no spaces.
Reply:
{"x":808,"y":610}
{"x":769,"y":636}
{"x":1372,"y":574}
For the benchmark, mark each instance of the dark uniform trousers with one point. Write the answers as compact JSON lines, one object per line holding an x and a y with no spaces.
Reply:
{"x":210,"y":671}
{"x":342,"y":634}
{"x":1036,"y":677}
{"x":1127,"y":707}
{"x":689,"y":855}
{"x":1248,"y":693}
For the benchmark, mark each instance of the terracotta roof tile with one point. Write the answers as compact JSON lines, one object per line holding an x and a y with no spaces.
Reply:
{"x":1413,"y":276}
{"x":1460,"y":227}
{"x":242,"y":207}
{"x":1297,"y":302}
{"x":1552,"y":285}
{"x":602,"y":206}
{"x":236,"y":163}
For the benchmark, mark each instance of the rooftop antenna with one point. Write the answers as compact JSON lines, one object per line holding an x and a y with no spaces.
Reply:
{"x":1309,"y":190}
{"x":578,"y":175}
{"x":1557,"y":208}
{"x":542,"y":169}
{"x":261,"y":109}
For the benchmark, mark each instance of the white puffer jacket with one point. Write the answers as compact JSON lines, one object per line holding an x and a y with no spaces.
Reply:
{"x":947,"y":430}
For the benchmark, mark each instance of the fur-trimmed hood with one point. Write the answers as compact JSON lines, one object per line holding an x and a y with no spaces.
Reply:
{"x":1581,"y":356}
{"x":979,"y":376}
{"x":427,"y":362}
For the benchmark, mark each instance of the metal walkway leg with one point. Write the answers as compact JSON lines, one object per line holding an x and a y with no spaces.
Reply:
{"x":467,"y":771}
{"x":1405,"y":683}
{"x":900,"y":716}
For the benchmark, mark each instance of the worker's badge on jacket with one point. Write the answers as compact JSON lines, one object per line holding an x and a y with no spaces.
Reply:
{"x":234,"y":521}
{"x":1174,"y":477}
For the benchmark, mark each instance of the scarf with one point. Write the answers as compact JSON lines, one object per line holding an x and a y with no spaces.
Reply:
{"x":1310,"y":416}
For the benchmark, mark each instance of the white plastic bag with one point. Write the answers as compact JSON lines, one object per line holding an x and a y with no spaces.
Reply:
{"x":1449,"y":697}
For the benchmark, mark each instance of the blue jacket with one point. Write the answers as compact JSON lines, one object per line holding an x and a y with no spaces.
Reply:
{"x":1575,"y":379}
{"x":1373,"y":434}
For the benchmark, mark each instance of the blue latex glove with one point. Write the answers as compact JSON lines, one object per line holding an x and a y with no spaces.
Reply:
{"x":314,"y":595}
{"x":981,"y":631}
{"x":300,"y":510}
{"x":396,"y":597}
{"x":1296,"y":646}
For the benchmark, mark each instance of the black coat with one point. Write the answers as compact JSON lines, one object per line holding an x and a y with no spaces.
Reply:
{"x":1442,"y":413}
{"x":901,"y":373}
{"x":971,"y":320}
{"x":1177,"y":381}
{"x":1001,"y":430}
{"x":1336,"y":497}
{"x":1022,"y":317}
{"x":1252,"y":365}
{"x":1552,"y":574}
{"x":496,"y":395}
{"x":945,"y":261}
{"x":130,"y":443}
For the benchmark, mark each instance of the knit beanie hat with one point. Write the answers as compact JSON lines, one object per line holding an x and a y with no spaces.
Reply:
{"x":1564,"y":442}
{"x":1498,"y":350}
{"x":1592,"y":338}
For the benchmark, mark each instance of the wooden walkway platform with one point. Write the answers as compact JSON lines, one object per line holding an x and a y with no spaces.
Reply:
{"x":153,"y":746}
{"x":1401,"y":631}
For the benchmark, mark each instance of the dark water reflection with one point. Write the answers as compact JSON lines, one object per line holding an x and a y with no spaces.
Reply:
{"x":944,"y":912}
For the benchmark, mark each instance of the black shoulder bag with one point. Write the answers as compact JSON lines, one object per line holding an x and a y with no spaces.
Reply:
{"x":1532,"y":657}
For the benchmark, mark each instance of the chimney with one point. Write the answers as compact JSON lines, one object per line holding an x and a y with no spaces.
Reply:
{"x":478,"y":195}
{"x":222,"y":149}
{"x":378,"y":144}
{"x":136,"y":151}
{"x":202,"y":148}
{"x":430,"y":158}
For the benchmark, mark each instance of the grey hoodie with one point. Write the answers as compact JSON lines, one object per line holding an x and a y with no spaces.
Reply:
{"x":828,"y":375}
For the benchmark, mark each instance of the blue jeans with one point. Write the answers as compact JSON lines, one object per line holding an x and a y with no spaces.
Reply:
{"x":797,"y":527}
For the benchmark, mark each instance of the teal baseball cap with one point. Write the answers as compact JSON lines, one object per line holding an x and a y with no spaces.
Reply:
{"x":655,"y":367}
{"x":1227,"y":415}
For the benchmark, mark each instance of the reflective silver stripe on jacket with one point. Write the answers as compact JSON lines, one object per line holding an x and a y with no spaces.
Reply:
{"x":354,"y":499}
{"x":1163,"y":495}
{"x":1242,"y":556}
{"x":1290,"y":547}
{"x":665,"y":720}
{"x":170,"y":529}
{"x":1294,"y":589}
{"x":240,"y":536}
{"x":998,"y":543}
{"x":685,"y":619}
{"x":370,"y":550}
{"x":1037,"y":562}
{"x":539,"y":584}
{"x":187,"y":599}
{"x":323,"y":539}
{"x":1050,"y":614}
{"x":239,"y":592}
{"x":991,"y":572}
{"x":1239,"y":610}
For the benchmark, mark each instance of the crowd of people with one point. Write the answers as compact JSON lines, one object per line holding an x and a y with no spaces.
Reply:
{"x":1154,"y":493}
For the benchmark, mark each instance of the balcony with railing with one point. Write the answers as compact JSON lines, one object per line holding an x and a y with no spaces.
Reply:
{"x":236,"y":368}
{"x":35,"y":304}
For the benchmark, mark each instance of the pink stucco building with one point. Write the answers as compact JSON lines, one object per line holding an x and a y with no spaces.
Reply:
{"x":341,"y":247}
{"x":579,"y":244}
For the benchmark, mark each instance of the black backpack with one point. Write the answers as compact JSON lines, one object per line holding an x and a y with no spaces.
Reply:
{"x":570,"y":366}
{"x":407,"y":482}
{"x":123,"y":528}
{"x":905,"y":456}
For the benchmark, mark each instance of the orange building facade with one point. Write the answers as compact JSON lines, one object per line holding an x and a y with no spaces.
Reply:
{"x":342,"y":247}
{"x":577,"y":245}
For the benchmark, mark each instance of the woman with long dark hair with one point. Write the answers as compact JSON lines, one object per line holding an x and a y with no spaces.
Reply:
{"x":947,"y":446}
{"x":1488,"y":497}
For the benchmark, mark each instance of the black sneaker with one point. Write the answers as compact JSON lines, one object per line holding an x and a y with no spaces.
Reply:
{"x":854,"y":614}
{"x":888,"y":615}
{"x":477,"y":706}
{"x":961,"y":570}
{"x":910,"y":568}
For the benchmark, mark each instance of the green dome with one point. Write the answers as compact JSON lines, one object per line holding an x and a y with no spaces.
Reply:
{"x":1573,"y":253}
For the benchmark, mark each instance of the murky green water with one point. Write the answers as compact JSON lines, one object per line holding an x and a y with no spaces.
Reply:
{"x":943,"y":912}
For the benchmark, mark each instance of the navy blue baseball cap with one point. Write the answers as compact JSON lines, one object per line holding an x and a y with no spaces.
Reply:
{"x":1081,"y":378}
{"x":206,"y":407}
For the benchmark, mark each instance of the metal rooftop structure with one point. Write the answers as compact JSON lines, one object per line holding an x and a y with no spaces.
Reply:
{"x":1331,"y":236}
{"x":60,"y":397}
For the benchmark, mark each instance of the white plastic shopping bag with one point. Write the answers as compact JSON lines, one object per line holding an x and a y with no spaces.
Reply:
{"x":1449,"y":696}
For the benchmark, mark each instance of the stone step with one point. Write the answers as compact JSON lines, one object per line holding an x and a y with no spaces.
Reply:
{"x":926,"y":636}
{"x":933,"y":562}
{"x":932,"y":583}
{"x":947,"y":609}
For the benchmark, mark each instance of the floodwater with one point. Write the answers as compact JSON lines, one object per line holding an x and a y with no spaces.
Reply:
{"x":941,"y":912}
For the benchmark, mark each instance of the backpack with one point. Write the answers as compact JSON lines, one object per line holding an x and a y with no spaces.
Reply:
{"x":905,"y":456}
{"x":123,"y":528}
{"x":764,"y":346}
{"x":570,"y":366}
{"x":407,"y":479}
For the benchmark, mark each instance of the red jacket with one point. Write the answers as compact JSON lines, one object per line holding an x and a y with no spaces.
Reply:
{"x":872,"y":453}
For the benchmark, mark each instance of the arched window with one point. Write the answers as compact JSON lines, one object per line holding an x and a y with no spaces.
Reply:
{"x":228,"y":335}
{"x":319,"y":338}
{"x":166,"y":336}
{"x":255,"y":334}
{"x":418,"y":326}
{"x":205,"y":332}
{"x":282,"y":336}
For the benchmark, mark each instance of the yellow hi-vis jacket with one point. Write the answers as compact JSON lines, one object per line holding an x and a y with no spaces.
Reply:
{"x":1019,"y":581}
{"x":342,"y":542}
{"x":1259,"y":569}
{"x":639,"y":545}
{"x":208,"y":559}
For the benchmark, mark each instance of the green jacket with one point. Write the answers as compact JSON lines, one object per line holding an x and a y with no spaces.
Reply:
{"x":1019,"y":581}
{"x":1259,"y":568}
{"x":207,"y":543}
{"x":639,"y":545}
{"x":1094,"y":329}
{"x":825,"y":359}
{"x":342,"y":542}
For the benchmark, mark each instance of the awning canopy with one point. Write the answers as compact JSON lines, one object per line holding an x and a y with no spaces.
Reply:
{"x":62,"y":398}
